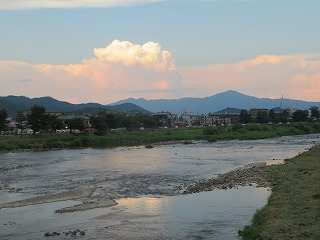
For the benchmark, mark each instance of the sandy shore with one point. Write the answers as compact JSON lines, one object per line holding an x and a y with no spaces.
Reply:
{"x":63,"y":196}
{"x":88,"y":205}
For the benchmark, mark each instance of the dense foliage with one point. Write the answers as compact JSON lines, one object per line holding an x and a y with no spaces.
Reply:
{"x":36,"y":119}
{"x":3,"y":119}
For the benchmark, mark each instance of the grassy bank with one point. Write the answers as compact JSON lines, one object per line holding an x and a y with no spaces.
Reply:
{"x":293,"y":209}
{"x":122,"y":138}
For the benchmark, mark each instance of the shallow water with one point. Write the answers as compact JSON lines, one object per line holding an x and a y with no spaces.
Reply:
{"x":145,"y":183}
{"x":211,"y":215}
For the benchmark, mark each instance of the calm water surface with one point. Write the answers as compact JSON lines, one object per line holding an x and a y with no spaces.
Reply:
{"x":145,"y":183}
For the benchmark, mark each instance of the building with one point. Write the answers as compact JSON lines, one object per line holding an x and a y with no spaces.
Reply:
{"x":254,"y":112}
{"x":205,"y":120}
{"x":225,"y":118}
{"x":165,"y":118}
{"x":184,"y":119}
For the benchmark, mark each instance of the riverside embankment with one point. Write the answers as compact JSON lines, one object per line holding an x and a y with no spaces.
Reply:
{"x":293,"y":209}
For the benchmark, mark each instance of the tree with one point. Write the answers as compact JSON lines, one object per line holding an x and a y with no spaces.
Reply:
{"x":154,"y":122}
{"x":315,"y":114}
{"x":111,"y":121}
{"x":76,"y":123}
{"x":262,"y":117}
{"x":99,"y":124}
{"x":52,"y":123}
{"x":3,"y":120}
{"x":272,"y":115}
{"x":300,"y":116}
{"x":21,"y":121}
{"x":36,"y":118}
{"x":244,"y":117}
{"x":284,"y":116}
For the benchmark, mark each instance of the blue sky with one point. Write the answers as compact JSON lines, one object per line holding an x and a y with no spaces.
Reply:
{"x":198,"y":35}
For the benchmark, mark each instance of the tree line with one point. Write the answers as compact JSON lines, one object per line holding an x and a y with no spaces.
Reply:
{"x":284,"y":116}
{"x":39,"y":120}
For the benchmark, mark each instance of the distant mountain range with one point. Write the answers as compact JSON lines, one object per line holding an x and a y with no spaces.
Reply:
{"x":229,"y":101}
{"x":226,"y":101}
{"x":12,"y":104}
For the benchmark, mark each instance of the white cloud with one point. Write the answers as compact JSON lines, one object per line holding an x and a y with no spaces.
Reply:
{"x":31,"y":4}
{"x":127,"y":53}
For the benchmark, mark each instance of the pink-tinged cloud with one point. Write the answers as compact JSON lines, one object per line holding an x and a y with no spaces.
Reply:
{"x":123,"y":69}
{"x":294,"y":76}
{"x":306,"y":85}
{"x":120,"y":70}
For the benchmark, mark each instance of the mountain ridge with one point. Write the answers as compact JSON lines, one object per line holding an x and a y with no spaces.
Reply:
{"x":214,"y":103}
{"x":211,"y":104}
{"x":12,"y":104}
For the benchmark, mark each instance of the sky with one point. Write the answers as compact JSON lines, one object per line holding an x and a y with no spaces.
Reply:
{"x":108,"y":50}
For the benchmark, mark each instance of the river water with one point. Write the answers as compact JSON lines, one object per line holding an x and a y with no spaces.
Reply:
{"x":145,"y":183}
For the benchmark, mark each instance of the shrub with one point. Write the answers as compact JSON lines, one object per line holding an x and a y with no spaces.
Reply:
{"x":76,"y":143}
{"x":236,"y":127}
{"x":213,"y":130}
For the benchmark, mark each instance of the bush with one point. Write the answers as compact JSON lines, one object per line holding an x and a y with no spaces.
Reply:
{"x":76,"y":143}
{"x":236,"y":127}
{"x":213,"y":130}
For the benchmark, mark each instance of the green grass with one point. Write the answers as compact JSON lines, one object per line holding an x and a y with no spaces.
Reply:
{"x":216,"y":133}
{"x":293,"y":209}
{"x":92,"y":140}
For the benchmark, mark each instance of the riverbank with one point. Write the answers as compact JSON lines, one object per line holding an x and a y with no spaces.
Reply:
{"x":133,"y":175}
{"x":293,"y":209}
{"x":249,"y":175}
{"x":152,"y":136}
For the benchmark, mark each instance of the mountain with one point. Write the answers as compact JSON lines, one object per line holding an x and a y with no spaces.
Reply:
{"x":12,"y":104}
{"x":228,"y":99}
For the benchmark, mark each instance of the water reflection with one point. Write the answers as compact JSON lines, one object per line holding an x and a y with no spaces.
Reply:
{"x":212,"y":215}
{"x":146,"y":204}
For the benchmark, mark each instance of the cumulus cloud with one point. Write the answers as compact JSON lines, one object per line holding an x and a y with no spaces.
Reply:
{"x":31,"y":4}
{"x":118,"y":71}
{"x":127,"y":53}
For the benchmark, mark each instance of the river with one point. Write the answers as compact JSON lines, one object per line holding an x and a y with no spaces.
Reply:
{"x":145,"y":183}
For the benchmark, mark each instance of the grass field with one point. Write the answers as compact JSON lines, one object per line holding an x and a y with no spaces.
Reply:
{"x":293,"y":209}
{"x":121,"y":138}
